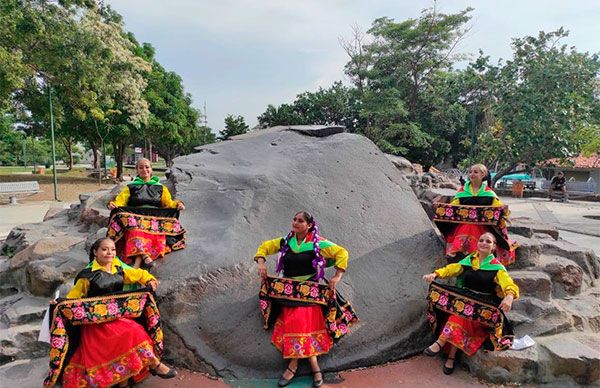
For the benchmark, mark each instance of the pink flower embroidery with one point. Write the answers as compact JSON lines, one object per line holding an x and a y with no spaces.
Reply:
{"x":443,"y":300}
{"x":113,"y":308}
{"x":115,"y":226}
{"x":494,"y":317}
{"x":343,"y":328}
{"x":154,"y":224}
{"x":132,"y":221}
{"x":449,"y":212}
{"x":333,"y":327}
{"x":176,"y":227}
{"x":58,"y":342}
{"x":347,"y":315}
{"x":78,"y":312}
{"x":472,"y":214}
{"x":314,"y":292}
{"x":263,"y":304}
{"x":288,"y":289}
{"x":468,"y":310}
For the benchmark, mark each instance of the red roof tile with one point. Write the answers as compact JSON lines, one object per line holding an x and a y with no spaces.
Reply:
{"x":592,"y":161}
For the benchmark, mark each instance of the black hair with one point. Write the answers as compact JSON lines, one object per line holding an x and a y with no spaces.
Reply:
{"x":95,"y":247}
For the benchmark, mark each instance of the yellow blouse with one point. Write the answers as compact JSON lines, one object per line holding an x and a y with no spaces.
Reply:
{"x":505,"y":284}
{"x":329,"y":250}
{"x":166,"y":199}
{"x":130,"y":276}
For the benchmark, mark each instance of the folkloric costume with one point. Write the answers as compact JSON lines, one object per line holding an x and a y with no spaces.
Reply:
{"x":145,"y":221}
{"x":112,"y":346}
{"x":301,"y":329}
{"x":468,"y":216}
{"x":469,"y":313}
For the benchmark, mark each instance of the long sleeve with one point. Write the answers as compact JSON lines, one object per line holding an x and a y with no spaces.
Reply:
{"x":123,"y":197}
{"x":336,"y":256}
{"x":167,"y":200}
{"x":268,"y":247}
{"x":137,"y":275}
{"x":80,"y":289}
{"x":507,"y":285}
{"x":449,"y":271}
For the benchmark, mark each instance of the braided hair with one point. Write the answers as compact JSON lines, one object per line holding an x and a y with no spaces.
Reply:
{"x":95,"y":247}
{"x":319,"y":261}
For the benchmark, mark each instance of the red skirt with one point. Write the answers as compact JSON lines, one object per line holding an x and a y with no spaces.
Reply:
{"x":464,"y":239}
{"x":109,"y":353}
{"x":300,"y":332}
{"x":466,"y":335}
{"x":139,"y":243}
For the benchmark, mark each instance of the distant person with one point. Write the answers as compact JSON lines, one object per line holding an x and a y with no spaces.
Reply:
{"x":558,"y":184}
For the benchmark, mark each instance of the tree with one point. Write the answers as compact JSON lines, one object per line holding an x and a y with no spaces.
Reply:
{"x":408,"y":64}
{"x":234,"y":125}
{"x":543,"y":96}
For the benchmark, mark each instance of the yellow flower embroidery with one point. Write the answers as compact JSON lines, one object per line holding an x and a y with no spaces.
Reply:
{"x":159,"y":335}
{"x":460,"y":306}
{"x":304,"y":289}
{"x":54,"y":353}
{"x":278,"y":287}
{"x":134,"y":304}
{"x":440,"y":211}
{"x":486,"y":314}
{"x":168,"y":226}
{"x":434,"y":296}
{"x":463,"y":213}
{"x":68,"y":313}
{"x":100,"y":309}
{"x":488,"y":214}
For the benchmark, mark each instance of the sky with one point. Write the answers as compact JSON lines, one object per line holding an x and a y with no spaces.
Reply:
{"x":239,"y":56}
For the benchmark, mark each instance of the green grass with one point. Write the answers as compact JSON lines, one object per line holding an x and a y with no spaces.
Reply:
{"x":11,"y":169}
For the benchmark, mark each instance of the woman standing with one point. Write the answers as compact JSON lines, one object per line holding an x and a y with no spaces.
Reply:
{"x":299,"y":330}
{"x":145,"y":239}
{"x":484,"y":280}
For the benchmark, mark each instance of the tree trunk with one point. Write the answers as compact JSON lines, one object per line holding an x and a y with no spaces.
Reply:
{"x":95,"y":163}
{"x":68,"y":143}
{"x":119,"y":150}
{"x":502,"y":173}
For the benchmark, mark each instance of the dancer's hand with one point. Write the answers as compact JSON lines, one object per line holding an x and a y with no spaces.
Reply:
{"x":430,"y":277}
{"x":153,"y":284}
{"x":334,"y":281}
{"x":506,"y":303}
{"x":180,"y":206}
{"x":262,"y":267}
{"x":111,"y":205}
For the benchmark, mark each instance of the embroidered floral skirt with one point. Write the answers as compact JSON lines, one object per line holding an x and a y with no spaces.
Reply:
{"x":464,"y":239}
{"x":138,"y":242}
{"x":109,"y":353}
{"x":299,"y":332}
{"x":466,"y":335}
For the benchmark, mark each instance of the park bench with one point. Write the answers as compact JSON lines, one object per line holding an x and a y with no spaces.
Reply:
{"x":21,"y":189}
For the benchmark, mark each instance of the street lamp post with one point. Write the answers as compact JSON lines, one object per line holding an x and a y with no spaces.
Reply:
{"x":53,"y":143}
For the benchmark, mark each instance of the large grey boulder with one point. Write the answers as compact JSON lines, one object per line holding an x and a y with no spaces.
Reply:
{"x":243,"y":191}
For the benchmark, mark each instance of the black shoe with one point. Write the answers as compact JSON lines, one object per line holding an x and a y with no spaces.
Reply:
{"x":431,"y":353}
{"x":448,"y":371}
{"x":317,"y":383}
{"x":169,"y":375}
{"x":283,"y":381}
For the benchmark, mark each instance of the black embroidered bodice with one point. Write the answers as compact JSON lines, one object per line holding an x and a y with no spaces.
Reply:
{"x":480,"y":280}
{"x":298,"y":264}
{"x":477,"y":201}
{"x":101,"y":282}
{"x":145,"y":195}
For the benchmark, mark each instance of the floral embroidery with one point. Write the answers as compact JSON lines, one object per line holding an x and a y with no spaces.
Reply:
{"x":449,"y":300}
{"x":98,"y":310}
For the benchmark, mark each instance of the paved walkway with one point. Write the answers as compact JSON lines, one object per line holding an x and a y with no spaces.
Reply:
{"x":577,"y":221}
{"x":23,"y":213}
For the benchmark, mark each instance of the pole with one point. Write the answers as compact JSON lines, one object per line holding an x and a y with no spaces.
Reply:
{"x":53,"y":144}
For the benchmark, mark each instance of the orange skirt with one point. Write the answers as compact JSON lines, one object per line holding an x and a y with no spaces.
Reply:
{"x":466,"y":335}
{"x":109,"y":353}
{"x":300,"y":332}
